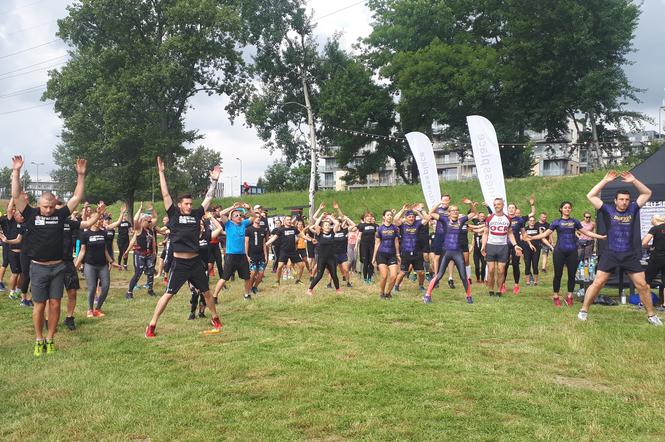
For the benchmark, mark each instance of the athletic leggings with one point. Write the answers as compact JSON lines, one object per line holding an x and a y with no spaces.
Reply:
{"x":561,"y":259}
{"x":479,"y":262}
{"x":94,"y":275}
{"x":531,"y":260}
{"x":366,"y":253}
{"x":324,"y":263}
{"x":514,"y":260}
{"x":25,"y":272}
{"x":458,"y":258}
{"x":122,"y":248}
{"x":142,"y":263}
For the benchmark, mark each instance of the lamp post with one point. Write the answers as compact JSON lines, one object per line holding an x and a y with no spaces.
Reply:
{"x":241,"y":183}
{"x":37,"y":174}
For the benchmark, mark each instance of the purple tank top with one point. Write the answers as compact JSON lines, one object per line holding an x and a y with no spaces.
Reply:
{"x":409,"y":237}
{"x":565,"y":230}
{"x":620,"y":227}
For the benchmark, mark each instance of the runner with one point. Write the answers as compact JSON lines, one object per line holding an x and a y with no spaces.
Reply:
{"x":236,"y":255}
{"x":565,"y":250}
{"x":143,"y":245}
{"x":517,"y":223}
{"x":277,"y":244}
{"x":441,"y":209}
{"x":215,"y":253}
{"x":205,"y":236}
{"x":14,"y":232}
{"x":584,"y":241}
{"x":184,"y":233}
{"x":324,"y":228}
{"x":109,"y":229}
{"x":656,"y":236}
{"x":367,"y":229}
{"x":44,"y":247}
{"x":387,"y":254}
{"x":287,"y":236}
{"x":494,"y":247}
{"x":410,"y":244}
{"x":256,"y":250}
{"x":452,"y":245}
{"x":620,"y":217}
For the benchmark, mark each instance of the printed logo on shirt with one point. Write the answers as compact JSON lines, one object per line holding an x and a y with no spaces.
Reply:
{"x":46,"y":220}
{"x":186,"y":219}
{"x":96,"y":238}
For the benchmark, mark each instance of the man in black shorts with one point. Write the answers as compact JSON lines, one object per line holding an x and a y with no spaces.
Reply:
{"x":184,"y":228}
{"x":44,"y":246}
{"x":257,"y":252}
{"x":288,"y":235}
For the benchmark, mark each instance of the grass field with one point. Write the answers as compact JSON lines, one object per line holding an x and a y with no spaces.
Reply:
{"x":337,"y":367}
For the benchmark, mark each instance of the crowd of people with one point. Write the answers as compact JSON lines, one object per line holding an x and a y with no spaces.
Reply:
{"x":45,"y":248}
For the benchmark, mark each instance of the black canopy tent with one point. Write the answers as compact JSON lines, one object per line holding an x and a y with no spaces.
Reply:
{"x":651,"y":172}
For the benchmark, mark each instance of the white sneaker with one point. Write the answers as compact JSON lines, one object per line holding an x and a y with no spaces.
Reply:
{"x":582,"y":315}
{"x":655,"y":320}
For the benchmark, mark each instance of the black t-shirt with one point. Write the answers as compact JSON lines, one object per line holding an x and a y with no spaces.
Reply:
{"x":71,"y":226}
{"x":263,"y":223}
{"x":204,"y":245}
{"x":123,"y":232}
{"x":144,"y":242}
{"x":533,"y":231}
{"x":658,"y":233}
{"x":342,"y":240}
{"x":110,"y":234}
{"x":15,"y":229}
{"x":327,"y":244}
{"x":278,"y":242}
{"x":367,"y":232}
{"x":4,"y":223}
{"x":185,"y":229}
{"x":95,"y":247}
{"x":289,"y":237}
{"x":256,"y":237}
{"x":44,"y":243}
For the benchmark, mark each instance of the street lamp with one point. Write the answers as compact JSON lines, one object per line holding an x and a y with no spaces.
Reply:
{"x":37,"y":173}
{"x":241,"y":183}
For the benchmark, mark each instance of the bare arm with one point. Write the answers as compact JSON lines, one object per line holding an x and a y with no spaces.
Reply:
{"x":81,"y":255}
{"x":16,"y":240}
{"x":591,"y":234}
{"x":645,"y":192}
{"x":17,"y":163}
{"x":646,"y":240}
{"x":80,"y":185}
{"x":168,"y":202}
{"x":94,"y":217}
{"x":594,"y":194}
{"x":214,"y":177}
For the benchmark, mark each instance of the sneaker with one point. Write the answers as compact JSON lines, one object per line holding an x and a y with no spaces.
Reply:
{"x":90,"y":314}
{"x":13,"y":295}
{"x":582,"y":315}
{"x":660,"y":308}
{"x":254,"y":290}
{"x":50,"y":347}
{"x":468,"y":289}
{"x":191,"y":316}
{"x":2,"y":287}
{"x":150,"y":331}
{"x":427,"y":299}
{"x":40,"y":348}
{"x":146,"y":286}
{"x":329,"y":286}
{"x":502,"y":289}
{"x":216,"y":324}
{"x":492,"y":294}
{"x":451,"y":283}
{"x":202,"y":315}
{"x":298,"y":281}
{"x":69,"y":322}
{"x":469,"y":300}
{"x":348,"y":284}
{"x":129,"y":296}
{"x":310,"y":292}
{"x":383,"y":296}
{"x":569,"y":301}
{"x":389,"y":296}
{"x":396,"y":288}
{"x":516,"y":289}
{"x":248,"y":297}
{"x":421,"y":289}
{"x":98,"y":313}
{"x":30,"y":303}
{"x":25,"y":303}
{"x":655,"y":320}
{"x":557,"y":302}
{"x":151,"y":292}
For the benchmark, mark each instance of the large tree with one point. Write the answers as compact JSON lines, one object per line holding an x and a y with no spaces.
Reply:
{"x":134,"y":67}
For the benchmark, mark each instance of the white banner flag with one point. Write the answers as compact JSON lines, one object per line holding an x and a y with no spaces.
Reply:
{"x":423,"y":152}
{"x":487,"y":157}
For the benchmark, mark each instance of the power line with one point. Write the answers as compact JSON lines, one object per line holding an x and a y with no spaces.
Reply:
{"x":24,"y":109}
{"x":28,"y":49}
{"x":31,"y":71}
{"x":337,"y":11}
{"x":28,"y":90}
{"x":32,"y":65}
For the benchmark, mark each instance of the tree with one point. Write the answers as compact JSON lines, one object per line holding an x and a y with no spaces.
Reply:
{"x":134,"y":67}
{"x":197,"y":165}
{"x":279,"y":177}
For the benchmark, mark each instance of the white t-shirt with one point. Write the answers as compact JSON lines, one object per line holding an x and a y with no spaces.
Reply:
{"x":498,"y":227}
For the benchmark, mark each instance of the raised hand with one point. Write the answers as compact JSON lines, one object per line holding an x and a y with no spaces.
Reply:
{"x":466,"y":200}
{"x":17,"y":162}
{"x":610,"y":176}
{"x":627,"y":177}
{"x":532,"y":200}
{"x":335,"y":205}
{"x":101,"y":208}
{"x":322,"y":206}
{"x":81,"y":165}
{"x":215,"y":172}
{"x":160,"y":164}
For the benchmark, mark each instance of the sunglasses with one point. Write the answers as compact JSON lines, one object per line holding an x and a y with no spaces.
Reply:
{"x":587,"y":216}
{"x":235,"y":215}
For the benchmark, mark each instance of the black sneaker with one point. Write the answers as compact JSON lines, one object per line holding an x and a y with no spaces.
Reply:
{"x":191,"y":316}
{"x":129,"y":296}
{"x":69,"y":322}
{"x":248,"y":297}
{"x":216,"y":300}
{"x":202,"y":315}
{"x":329,"y":286}
{"x":383,"y":296}
{"x":151,"y":292}
{"x":492,"y":294}
{"x":348,"y":284}
{"x":451,"y":283}
{"x":298,"y":281}
{"x":254,"y":290}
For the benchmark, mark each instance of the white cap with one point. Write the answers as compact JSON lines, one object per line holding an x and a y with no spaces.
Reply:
{"x":258,"y":206}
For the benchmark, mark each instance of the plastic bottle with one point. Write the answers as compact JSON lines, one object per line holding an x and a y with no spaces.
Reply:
{"x":586,"y":270}
{"x":580,"y":271}
{"x":623,"y":296}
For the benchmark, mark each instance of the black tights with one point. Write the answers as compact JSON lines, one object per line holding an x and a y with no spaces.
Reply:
{"x":531,"y":260}
{"x":122,"y":248}
{"x":514,"y":261}
{"x":366,"y":253}
{"x":561,"y":259}
{"x":479,"y":263}
{"x":322,"y":264}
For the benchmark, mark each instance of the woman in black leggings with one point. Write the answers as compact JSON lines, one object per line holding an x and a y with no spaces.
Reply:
{"x":532,"y":251}
{"x":367,"y":229}
{"x":325,"y":228}
{"x":478,"y":227}
{"x":565,"y":251}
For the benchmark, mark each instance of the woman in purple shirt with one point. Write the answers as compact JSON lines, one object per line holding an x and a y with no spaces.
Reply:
{"x":386,"y":254}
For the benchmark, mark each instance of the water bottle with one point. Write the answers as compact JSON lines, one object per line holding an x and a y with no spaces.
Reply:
{"x":592,"y":269}
{"x":586,"y":270}
{"x":623,"y":296}
{"x":580,"y":271}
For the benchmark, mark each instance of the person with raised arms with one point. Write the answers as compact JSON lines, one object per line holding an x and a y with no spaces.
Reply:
{"x":184,"y":228}
{"x":210,"y":229}
{"x":287,"y":235}
{"x":494,"y":246}
{"x":346,"y":225}
{"x":619,"y":219}
{"x":44,"y":246}
{"x":387,"y":254}
{"x":256,"y":250}
{"x":517,"y":223}
{"x":367,"y":229}
{"x":452,"y":245}
{"x":565,"y":250}
{"x":324,"y":229}
{"x":410,"y":243}
{"x":122,"y":240}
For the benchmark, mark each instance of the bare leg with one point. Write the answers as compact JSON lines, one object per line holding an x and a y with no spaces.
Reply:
{"x":593,"y":290}
{"x":54,"y":317}
{"x":163,"y":302}
{"x":71,"y":302}
{"x":643,"y":289}
{"x":38,"y":319}
{"x":501,"y":269}
{"x":393,"y":277}
{"x":301,"y":269}
{"x":383,"y":271}
{"x":280,"y":269}
{"x":491,"y":267}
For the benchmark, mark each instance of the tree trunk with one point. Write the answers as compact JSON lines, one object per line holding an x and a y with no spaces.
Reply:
{"x":130,"y":204}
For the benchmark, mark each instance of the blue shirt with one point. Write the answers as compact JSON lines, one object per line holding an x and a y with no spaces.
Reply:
{"x":409,"y":237}
{"x":620,"y":226}
{"x":235,"y":237}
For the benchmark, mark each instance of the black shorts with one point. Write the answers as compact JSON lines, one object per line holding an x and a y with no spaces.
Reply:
{"x":15,"y":261}
{"x":293,"y":257}
{"x":235,"y":262}
{"x":71,"y":276}
{"x":424,"y":246}
{"x":5,"y":255}
{"x":183,"y":270}
{"x":437,"y":244}
{"x":212,"y":256}
{"x":302,"y":253}
{"x":310,"y":249}
{"x":388,"y":259}
{"x":341,"y":257}
{"x":628,"y":262}
{"x":414,"y":259}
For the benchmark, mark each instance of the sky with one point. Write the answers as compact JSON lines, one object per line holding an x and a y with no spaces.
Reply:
{"x":29,"y":47}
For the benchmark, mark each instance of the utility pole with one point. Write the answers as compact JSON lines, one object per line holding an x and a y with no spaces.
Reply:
{"x":312,"y":147}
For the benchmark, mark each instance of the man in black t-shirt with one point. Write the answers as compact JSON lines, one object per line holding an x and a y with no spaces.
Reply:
{"x":184,"y":228}
{"x":288,"y":236}
{"x":44,"y":247}
{"x":257,"y":251}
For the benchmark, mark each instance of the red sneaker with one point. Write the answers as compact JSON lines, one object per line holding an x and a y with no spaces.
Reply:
{"x":338,"y":291}
{"x":569,"y":301}
{"x":468,"y":289}
{"x":98,"y":314}
{"x":516,"y":289}
{"x":310,"y":292}
{"x":557,"y":302}
{"x":502,"y":289}
{"x":216,"y":324}
{"x":150,"y":331}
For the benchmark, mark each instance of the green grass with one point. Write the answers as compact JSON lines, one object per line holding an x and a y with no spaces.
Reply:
{"x":335,"y":368}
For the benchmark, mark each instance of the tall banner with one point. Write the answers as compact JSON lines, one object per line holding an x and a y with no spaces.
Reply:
{"x":487,"y":157}
{"x":423,"y":152}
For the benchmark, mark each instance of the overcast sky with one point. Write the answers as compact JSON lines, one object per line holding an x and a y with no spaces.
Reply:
{"x":31,"y":128}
